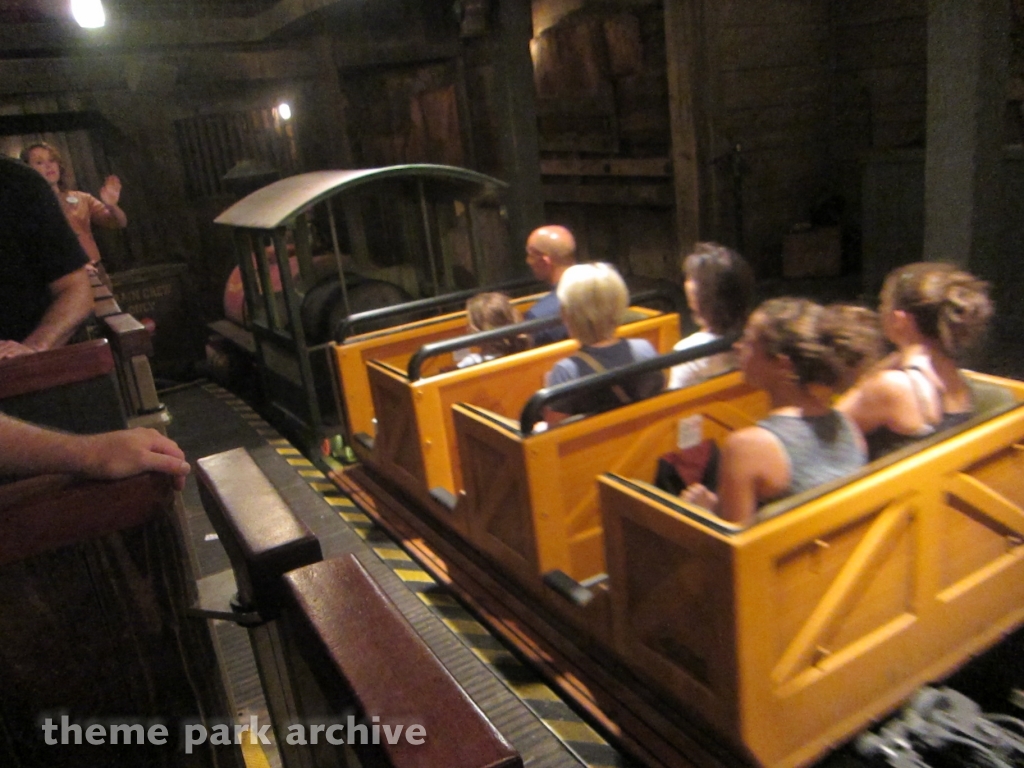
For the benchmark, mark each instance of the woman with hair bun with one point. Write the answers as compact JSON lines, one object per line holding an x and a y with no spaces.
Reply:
{"x":719,"y":286}
{"x":789,"y":349}
{"x":934,"y":314}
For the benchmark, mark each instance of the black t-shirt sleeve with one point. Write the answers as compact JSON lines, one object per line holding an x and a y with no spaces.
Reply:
{"x":43,"y":232}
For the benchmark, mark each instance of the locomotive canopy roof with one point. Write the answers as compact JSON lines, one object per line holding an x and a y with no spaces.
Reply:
{"x":275,"y":204}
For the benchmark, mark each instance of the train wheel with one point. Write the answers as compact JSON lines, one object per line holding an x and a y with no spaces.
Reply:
{"x":324,"y":305}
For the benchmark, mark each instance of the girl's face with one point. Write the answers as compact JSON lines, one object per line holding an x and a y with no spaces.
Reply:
{"x":44,"y":162}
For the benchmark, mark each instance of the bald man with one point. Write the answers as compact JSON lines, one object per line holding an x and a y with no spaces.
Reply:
{"x":550,"y":250}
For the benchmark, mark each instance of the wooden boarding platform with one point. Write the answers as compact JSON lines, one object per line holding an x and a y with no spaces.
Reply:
{"x":317,"y":628}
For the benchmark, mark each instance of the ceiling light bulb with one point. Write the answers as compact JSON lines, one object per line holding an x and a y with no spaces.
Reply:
{"x":88,"y":13}
{"x":284,"y":110}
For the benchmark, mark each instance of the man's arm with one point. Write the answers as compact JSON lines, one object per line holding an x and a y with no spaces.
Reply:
{"x":26,"y":449}
{"x":70,"y":306}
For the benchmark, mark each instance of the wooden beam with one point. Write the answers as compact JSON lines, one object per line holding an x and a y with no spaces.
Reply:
{"x":684,"y":36}
{"x":515,"y":111}
{"x":968,"y":41}
{"x":658,"y":167}
{"x":151,"y":72}
{"x":371,"y":52}
{"x":643,"y":195}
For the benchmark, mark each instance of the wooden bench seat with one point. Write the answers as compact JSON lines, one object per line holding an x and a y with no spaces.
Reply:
{"x":359,"y":649}
{"x":416,"y":446}
{"x":789,"y":636}
{"x":392,"y":346}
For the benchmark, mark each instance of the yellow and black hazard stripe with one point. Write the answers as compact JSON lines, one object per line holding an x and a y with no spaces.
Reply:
{"x":587,"y":744}
{"x":579,"y":737}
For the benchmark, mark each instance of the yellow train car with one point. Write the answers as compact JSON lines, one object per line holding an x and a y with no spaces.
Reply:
{"x":415,"y":445}
{"x":783,"y":639}
{"x":793,"y":634}
{"x":392,"y":347}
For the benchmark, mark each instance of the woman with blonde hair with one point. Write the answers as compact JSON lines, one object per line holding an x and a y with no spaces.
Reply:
{"x":934,"y":313}
{"x":787,"y":349}
{"x":594,"y":298}
{"x":81,"y":209}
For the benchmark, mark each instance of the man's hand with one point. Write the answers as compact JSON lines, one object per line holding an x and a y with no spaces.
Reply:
{"x":14,"y":349}
{"x":110,"y":193}
{"x":114,"y":455}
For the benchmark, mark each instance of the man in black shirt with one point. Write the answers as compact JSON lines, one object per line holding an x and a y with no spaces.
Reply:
{"x":44,"y":288}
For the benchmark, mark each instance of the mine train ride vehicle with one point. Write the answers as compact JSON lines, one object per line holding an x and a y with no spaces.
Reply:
{"x":779,"y":640}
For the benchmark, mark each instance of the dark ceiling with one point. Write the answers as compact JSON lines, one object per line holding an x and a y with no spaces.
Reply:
{"x":34,"y":28}
{"x":59,"y":11}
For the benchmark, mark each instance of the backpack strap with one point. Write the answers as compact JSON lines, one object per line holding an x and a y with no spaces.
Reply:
{"x":597,"y":367}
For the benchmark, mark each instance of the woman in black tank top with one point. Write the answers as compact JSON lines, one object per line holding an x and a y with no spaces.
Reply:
{"x":934,"y":314}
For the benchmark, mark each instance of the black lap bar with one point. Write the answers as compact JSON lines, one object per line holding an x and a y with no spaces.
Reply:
{"x":261,"y":535}
{"x":345,"y":327}
{"x":351,"y":629}
{"x":481,"y":337}
{"x":475,"y":339}
{"x":532,"y":410}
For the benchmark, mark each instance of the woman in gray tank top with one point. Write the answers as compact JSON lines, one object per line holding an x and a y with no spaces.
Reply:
{"x":791,"y":348}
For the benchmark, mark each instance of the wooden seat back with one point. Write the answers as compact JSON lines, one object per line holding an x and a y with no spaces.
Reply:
{"x":416,"y":445}
{"x":793,"y":634}
{"x":392,"y":346}
{"x":359,"y":648}
{"x":531,"y":500}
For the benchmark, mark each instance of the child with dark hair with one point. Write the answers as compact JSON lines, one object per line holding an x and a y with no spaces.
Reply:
{"x":485,"y":312}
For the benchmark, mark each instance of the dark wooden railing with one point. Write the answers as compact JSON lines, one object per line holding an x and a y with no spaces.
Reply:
{"x":332,"y":648}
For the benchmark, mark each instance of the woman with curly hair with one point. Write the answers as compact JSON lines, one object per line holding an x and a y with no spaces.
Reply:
{"x":81,"y":209}
{"x":934,"y":314}
{"x":789,"y":348}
